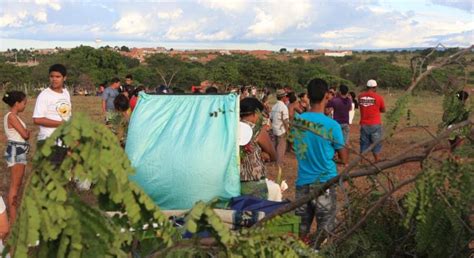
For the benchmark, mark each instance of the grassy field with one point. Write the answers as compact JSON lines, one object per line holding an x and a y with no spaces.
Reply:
{"x":426,"y":110}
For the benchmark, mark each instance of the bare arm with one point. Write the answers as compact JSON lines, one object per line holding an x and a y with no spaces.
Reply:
{"x":382,"y":106}
{"x":15,"y":123}
{"x":266,"y":144}
{"x":291,"y":112}
{"x":46,"y":122}
{"x":343,"y":155}
{"x":286,"y":123}
{"x":103,"y":106}
{"x":4,"y":228}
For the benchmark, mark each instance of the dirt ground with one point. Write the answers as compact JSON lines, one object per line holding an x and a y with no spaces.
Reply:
{"x":423,"y":113}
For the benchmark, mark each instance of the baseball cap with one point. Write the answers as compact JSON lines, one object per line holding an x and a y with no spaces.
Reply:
{"x":371,"y":83}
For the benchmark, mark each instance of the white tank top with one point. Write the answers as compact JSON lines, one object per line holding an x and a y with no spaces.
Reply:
{"x":11,"y":133}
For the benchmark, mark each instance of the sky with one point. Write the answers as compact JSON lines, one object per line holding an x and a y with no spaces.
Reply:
{"x":237,"y":24}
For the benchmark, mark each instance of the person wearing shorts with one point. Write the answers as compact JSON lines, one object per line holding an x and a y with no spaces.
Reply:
{"x":17,"y":146}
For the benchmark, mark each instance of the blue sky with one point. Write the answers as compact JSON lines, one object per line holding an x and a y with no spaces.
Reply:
{"x":271,"y":24}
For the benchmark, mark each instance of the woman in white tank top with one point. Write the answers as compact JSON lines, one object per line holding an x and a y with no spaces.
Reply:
{"x":17,"y":146}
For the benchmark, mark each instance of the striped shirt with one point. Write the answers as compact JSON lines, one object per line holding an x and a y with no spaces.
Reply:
{"x":251,"y":163}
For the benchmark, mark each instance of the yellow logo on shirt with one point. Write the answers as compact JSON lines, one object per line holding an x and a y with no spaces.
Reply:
{"x":64,"y":109}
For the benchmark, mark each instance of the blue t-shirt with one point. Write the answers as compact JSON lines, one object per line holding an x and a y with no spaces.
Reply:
{"x":109,"y":97}
{"x":316,"y":163}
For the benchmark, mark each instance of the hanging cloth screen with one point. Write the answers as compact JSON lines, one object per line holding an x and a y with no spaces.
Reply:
{"x":184,"y":148}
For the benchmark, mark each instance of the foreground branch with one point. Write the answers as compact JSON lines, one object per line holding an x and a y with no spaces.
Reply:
{"x":375,"y":207}
{"x":443,"y":62}
{"x":402,"y":158}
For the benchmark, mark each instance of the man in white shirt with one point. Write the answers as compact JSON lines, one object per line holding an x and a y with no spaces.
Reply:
{"x":280,"y":123}
{"x":53,"y":107}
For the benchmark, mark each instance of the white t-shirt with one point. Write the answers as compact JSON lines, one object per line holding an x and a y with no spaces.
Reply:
{"x":352,"y":113}
{"x":52,"y":105}
{"x":278,"y":115}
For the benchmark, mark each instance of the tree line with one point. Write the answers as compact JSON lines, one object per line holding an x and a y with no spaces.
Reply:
{"x":88,"y":67}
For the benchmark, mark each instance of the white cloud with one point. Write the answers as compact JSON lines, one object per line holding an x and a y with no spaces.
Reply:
{"x":132,"y":23}
{"x":96,"y":29}
{"x":41,"y":16}
{"x":276,"y":17}
{"x":226,"y":5}
{"x":13,"y":20}
{"x":379,"y":27}
{"x":54,"y":4}
{"x":181,"y":31}
{"x":334,"y":45}
{"x":343,"y":33}
{"x":221,"y":35}
{"x":170,"y":15}
{"x":293,"y":24}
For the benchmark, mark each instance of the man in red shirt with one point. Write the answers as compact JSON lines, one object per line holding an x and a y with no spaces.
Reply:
{"x":371,"y":105}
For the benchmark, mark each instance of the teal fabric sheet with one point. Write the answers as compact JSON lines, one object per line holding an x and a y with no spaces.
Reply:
{"x":184,"y":148}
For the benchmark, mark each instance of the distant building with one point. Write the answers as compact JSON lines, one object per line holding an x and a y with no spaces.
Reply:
{"x":47,"y":51}
{"x":339,"y":53}
{"x":28,"y":63}
{"x":142,"y":53}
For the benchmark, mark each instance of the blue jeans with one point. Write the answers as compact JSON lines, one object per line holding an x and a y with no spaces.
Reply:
{"x":368,"y":135}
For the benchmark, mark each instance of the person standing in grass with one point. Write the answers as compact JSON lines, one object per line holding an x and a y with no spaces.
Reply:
{"x":119,"y":119}
{"x":355,"y":105}
{"x":314,"y":152}
{"x":134,"y":98}
{"x":108,"y":97}
{"x":17,"y":146}
{"x":342,"y":104}
{"x":252,"y":168}
{"x":280,"y":124}
{"x":53,"y":105}
{"x":128,"y":86}
{"x":53,"y":108}
{"x":371,"y":106}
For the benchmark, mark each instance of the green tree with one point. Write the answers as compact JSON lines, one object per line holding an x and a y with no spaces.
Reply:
{"x":386,"y":74}
{"x":191,"y":74}
{"x":125,"y":49}
{"x":224,"y":72}
{"x":166,"y":67}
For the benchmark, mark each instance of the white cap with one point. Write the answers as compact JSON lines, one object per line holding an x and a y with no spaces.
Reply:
{"x":371,"y":83}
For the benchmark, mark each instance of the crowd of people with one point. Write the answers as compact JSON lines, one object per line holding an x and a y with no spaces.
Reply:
{"x":330,"y":110}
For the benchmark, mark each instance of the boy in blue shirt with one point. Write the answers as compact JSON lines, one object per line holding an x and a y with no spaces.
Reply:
{"x":316,"y":163}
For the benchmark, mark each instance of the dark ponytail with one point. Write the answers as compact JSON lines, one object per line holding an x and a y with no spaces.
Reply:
{"x":12,"y":97}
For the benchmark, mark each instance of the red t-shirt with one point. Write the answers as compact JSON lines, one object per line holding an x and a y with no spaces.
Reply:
{"x":133,"y":102}
{"x":370,"y":105}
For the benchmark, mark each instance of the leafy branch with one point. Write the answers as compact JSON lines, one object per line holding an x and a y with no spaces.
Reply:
{"x":404,"y":157}
{"x":54,"y":217}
